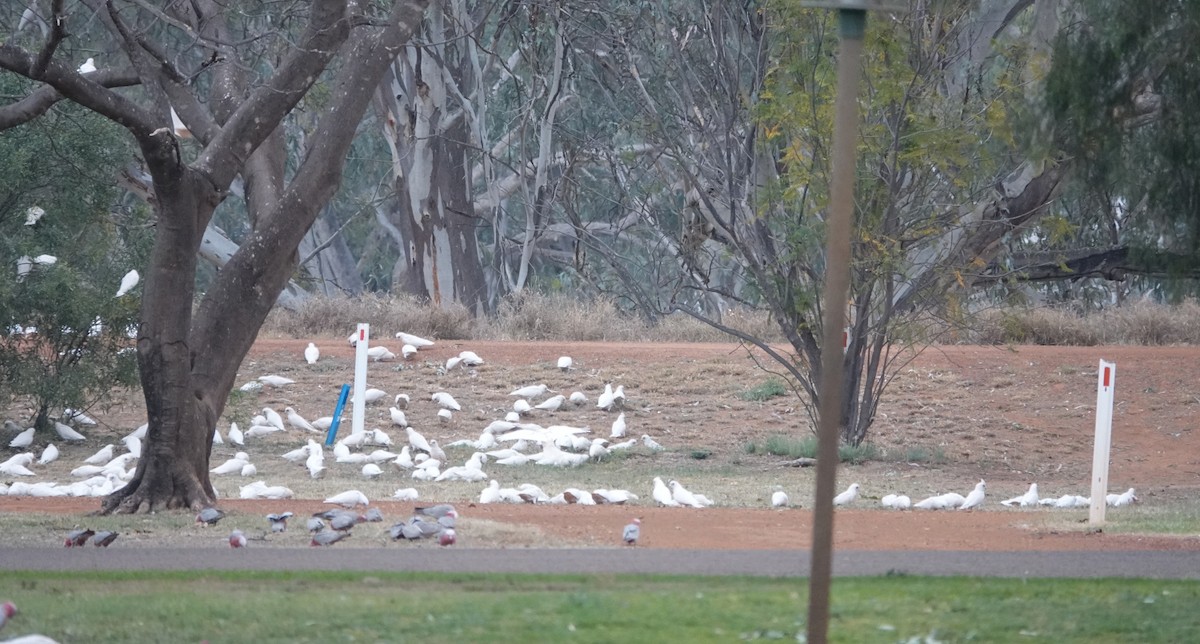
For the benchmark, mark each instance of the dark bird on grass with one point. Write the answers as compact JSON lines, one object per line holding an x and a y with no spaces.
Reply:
{"x":209,"y":516}
{"x":78,"y":537}
{"x":374,"y":515}
{"x":328,"y":538}
{"x":104,"y":538}
{"x":237,"y":539}
{"x":436,"y":511}
{"x":315,"y":524}
{"x":279,"y":521}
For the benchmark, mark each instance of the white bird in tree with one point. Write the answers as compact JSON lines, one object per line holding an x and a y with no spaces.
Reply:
{"x":779,"y":499}
{"x":1027,"y":499}
{"x":618,"y":427}
{"x":651,"y":444}
{"x":975,"y":498}
{"x":521,"y":406}
{"x":33,"y":215}
{"x":45,"y":260}
{"x":578,"y":398}
{"x":296,"y":420}
{"x":416,"y":341}
{"x":632,"y":532}
{"x":129,"y":281}
{"x":470,"y":358}
{"x":447,"y":401}
{"x":662,"y":494}
{"x":847,"y":497}
{"x":315,"y":463}
{"x":88,"y":66}
{"x":177,"y":125}
{"x":312,"y":353}
{"x":529,"y":391}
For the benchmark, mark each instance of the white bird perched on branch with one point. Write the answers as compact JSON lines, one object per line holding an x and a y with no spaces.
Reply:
{"x":683,"y":496}
{"x":416,"y":341}
{"x":651,"y":444}
{"x":975,"y":498}
{"x":605,"y":401}
{"x":312,"y":353}
{"x":129,"y":281}
{"x":1027,"y":499}
{"x":235,"y":435}
{"x":273,"y":418}
{"x":847,"y":497}
{"x":552,"y":403}
{"x":88,"y":66}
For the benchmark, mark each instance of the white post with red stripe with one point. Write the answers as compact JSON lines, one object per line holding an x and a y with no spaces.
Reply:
{"x":1105,"y":384}
{"x":359,"y":417}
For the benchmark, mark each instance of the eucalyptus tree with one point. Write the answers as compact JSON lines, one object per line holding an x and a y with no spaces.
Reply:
{"x":231,"y":73}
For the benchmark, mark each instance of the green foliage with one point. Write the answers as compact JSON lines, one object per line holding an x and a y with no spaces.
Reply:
{"x":65,"y":164}
{"x":765,"y":391}
{"x":191,"y":607}
{"x":778,"y":445}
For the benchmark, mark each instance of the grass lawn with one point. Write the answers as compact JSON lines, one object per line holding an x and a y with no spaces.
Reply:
{"x":333,"y":607}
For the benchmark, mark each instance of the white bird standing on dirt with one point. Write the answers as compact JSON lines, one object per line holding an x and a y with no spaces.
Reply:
{"x":651,"y":444}
{"x":296,"y":420}
{"x":552,"y":403}
{"x":348,"y":499}
{"x":1025,"y":500}
{"x":416,"y":440}
{"x":662,"y":494}
{"x":24,"y":439}
{"x":408,"y":351}
{"x":618,"y":427}
{"x":275,"y":381}
{"x":577,"y":397}
{"x":48,"y":455}
{"x":446,"y":401}
{"x":103,"y":456}
{"x":232,"y":465}
{"x":129,"y":281}
{"x":273,"y":418}
{"x":66,"y":433}
{"x":529,"y":391}
{"x":414,"y":340}
{"x":235,"y":435}
{"x":779,"y":499}
{"x":975,"y":498}
{"x":312,"y":353}
{"x":847,"y":497}
{"x":605,"y":401}
{"x":896,"y":501}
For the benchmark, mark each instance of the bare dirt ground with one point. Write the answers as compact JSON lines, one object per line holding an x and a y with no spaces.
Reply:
{"x":953,"y":415}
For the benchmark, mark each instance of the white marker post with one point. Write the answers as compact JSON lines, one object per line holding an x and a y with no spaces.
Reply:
{"x":359,"y":417}
{"x":1105,"y":384}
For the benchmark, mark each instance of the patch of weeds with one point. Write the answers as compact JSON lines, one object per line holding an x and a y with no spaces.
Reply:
{"x":771,"y":388}
{"x":777,"y":445}
{"x":750,"y":447}
{"x":240,"y":406}
{"x":858,"y":454}
{"x":919,"y":454}
{"x":700,"y":454}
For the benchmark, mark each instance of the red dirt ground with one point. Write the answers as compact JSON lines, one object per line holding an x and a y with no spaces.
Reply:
{"x":1007,"y":414}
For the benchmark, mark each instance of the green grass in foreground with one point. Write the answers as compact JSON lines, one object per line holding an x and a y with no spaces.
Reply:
{"x":301,"y":607}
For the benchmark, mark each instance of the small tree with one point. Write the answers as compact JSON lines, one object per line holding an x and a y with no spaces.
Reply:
{"x":64,"y":341}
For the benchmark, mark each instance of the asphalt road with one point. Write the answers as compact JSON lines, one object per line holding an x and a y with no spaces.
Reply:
{"x":767,"y":563}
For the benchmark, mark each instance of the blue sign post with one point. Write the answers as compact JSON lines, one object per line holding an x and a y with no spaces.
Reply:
{"x":337,"y":415}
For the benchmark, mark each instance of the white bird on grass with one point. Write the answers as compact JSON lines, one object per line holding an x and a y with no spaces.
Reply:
{"x":371,"y":471}
{"x":1125,"y":498}
{"x":275,"y":381}
{"x":618,"y":427}
{"x":312,"y":353}
{"x":847,"y":497}
{"x":651,"y":444}
{"x":896,"y":501}
{"x":48,"y":455}
{"x":129,"y":281}
{"x":436,"y":452}
{"x":577,"y":398}
{"x":565,"y":363}
{"x":273,"y":418}
{"x":296,"y":420}
{"x":217,"y":440}
{"x":406,"y":494}
{"x":315,"y":463}
{"x":66,"y":433}
{"x":605,"y":401}
{"x":1025,"y":500}
{"x":235,"y":435}
{"x":662,"y":494}
{"x":24,"y":439}
{"x":445,"y":415}
{"x":779,"y":499}
{"x":408,"y":351}
{"x":251,"y":387}
{"x":446,"y":401}
{"x":552,"y":403}
{"x":380,"y":353}
{"x":398,"y":417}
{"x":323,"y":423}
{"x":975,"y":498}
{"x":348,"y":499}
{"x":597,"y":451}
